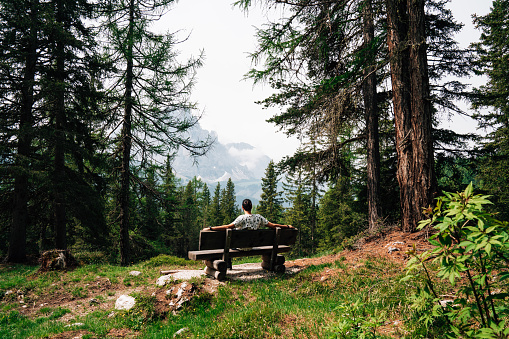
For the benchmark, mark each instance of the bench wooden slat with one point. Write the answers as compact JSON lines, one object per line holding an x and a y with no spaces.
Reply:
{"x":246,"y":238}
{"x":218,"y":253}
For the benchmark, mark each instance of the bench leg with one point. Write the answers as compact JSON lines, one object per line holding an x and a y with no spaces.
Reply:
{"x":218,"y":265}
{"x":216,"y":274}
{"x":278,"y":265}
{"x":216,"y":268}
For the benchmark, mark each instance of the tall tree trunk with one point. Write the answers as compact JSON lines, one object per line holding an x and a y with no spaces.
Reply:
{"x":59,"y":212}
{"x":412,"y":108}
{"x":422,"y":124}
{"x":126,"y":146}
{"x":17,"y":243}
{"x":371,"y":113}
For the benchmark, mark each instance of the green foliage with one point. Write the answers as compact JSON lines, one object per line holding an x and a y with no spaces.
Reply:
{"x":142,"y":313}
{"x":271,"y":204}
{"x":215,"y":207}
{"x":337,"y":216}
{"x":357,"y":322}
{"x":229,"y":209}
{"x":299,"y":215}
{"x":471,"y":251}
{"x":454,"y":172}
{"x":491,"y":100}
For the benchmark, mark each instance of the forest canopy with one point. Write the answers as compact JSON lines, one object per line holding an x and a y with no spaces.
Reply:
{"x":94,"y":106}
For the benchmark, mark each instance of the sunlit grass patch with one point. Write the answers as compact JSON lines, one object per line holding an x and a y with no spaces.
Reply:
{"x":169,"y":261}
{"x":341,"y":299}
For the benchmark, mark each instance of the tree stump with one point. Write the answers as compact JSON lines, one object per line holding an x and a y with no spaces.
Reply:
{"x":57,"y":260}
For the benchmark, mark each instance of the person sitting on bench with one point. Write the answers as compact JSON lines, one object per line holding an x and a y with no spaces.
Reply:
{"x":248,"y":221}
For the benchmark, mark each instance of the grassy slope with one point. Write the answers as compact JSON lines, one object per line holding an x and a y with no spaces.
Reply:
{"x":335,"y":300}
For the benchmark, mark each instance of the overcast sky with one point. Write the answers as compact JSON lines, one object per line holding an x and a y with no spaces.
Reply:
{"x":226,"y":35}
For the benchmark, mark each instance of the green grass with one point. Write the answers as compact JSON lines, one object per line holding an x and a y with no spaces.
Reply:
{"x":355,"y":303}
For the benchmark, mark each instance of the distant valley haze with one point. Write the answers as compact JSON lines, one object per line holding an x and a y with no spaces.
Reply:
{"x":241,"y":162}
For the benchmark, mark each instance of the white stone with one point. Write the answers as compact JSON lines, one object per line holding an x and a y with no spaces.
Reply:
{"x":180,"y":275}
{"x":164,"y":279}
{"x":179,"y":332}
{"x":75,"y":324}
{"x":135,"y":273}
{"x":125,"y":302}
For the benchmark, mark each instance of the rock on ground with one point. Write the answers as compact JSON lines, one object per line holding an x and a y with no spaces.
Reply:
{"x":125,"y":302}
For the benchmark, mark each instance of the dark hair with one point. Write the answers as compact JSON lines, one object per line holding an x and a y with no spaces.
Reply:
{"x":247,"y":205}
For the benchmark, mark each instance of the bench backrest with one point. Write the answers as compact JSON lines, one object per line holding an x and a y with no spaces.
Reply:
{"x":211,"y":240}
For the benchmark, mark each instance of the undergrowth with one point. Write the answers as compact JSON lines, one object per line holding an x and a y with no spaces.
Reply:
{"x":364,"y":299}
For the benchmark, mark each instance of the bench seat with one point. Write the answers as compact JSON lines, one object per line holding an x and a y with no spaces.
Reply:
{"x":216,"y":248}
{"x":218,"y":253}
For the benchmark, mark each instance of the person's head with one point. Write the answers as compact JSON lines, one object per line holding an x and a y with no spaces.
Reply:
{"x":247,"y":205}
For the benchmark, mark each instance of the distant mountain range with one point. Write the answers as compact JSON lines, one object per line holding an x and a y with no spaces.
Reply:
{"x":241,"y":162}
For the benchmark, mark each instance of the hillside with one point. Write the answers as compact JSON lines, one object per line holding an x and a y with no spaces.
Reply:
{"x":81,"y":303}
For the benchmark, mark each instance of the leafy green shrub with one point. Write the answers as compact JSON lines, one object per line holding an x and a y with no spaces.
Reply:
{"x":471,"y":247}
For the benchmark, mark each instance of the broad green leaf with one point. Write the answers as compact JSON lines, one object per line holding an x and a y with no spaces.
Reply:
{"x":490,"y":229}
{"x":470,"y":247}
{"x":465,"y":243}
{"x":488,"y":248}
{"x":434,"y":242}
{"x":469,"y":190}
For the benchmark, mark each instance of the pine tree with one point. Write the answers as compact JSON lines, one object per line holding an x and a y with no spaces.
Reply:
{"x":152,"y":89}
{"x":298,"y":215}
{"x":493,"y":62}
{"x":406,"y":39}
{"x":270,"y":205}
{"x":20,"y":26}
{"x":371,"y":112}
{"x":171,"y":202}
{"x":215,"y":215}
{"x":332,"y":91}
{"x":204,"y":203}
{"x":337,"y":217}
{"x":326,"y":60}
{"x":60,"y":93}
{"x":229,"y":210}
{"x":72,"y":103}
{"x":190,"y":218}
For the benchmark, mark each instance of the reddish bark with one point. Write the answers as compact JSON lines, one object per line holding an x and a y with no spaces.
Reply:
{"x":412,"y":108}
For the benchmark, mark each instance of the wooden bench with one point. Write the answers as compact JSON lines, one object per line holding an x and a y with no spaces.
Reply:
{"x":216,"y":248}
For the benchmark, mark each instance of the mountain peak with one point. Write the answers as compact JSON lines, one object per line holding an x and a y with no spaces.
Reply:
{"x":240,"y":161}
